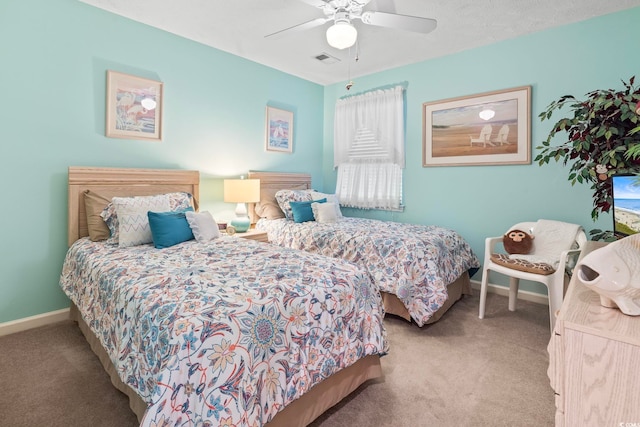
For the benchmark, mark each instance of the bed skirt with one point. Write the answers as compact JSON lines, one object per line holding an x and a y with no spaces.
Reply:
{"x":299,"y":413}
{"x":462,"y":286}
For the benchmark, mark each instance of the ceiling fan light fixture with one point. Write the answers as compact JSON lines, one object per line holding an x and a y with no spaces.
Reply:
{"x":342,"y":35}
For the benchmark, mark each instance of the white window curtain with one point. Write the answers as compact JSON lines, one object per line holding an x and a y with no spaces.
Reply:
{"x":369,"y":149}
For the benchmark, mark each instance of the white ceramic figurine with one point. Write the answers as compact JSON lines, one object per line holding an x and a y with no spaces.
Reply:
{"x":614,"y":273}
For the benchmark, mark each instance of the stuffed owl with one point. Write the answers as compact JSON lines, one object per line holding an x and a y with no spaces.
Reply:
{"x":517,"y":242}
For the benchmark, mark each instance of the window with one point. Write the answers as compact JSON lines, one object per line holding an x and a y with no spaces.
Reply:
{"x":369,"y":149}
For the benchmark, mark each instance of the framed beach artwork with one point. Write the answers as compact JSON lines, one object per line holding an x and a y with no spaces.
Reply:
{"x":279,"y":132}
{"x":134,"y":107}
{"x":491,"y":128}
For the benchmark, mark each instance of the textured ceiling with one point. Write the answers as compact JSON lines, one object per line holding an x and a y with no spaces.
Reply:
{"x":239,"y":27}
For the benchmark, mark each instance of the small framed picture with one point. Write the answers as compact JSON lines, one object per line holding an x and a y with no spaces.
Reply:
{"x":134,"y":107}
{"x":279,"y":130}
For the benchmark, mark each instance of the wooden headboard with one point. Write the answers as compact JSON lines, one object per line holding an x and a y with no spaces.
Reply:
{"x":270,"y":182}
{"x":110,"y":182}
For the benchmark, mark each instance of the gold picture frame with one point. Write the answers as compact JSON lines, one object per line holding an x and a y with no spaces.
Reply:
{"x":279,"y":130}
{"x":134,"y":107}
{"x":491,"y":128}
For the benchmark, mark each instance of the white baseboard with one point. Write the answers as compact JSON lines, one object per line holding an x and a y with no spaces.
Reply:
{"x":523,"y":295}
{"x":33,"y":321}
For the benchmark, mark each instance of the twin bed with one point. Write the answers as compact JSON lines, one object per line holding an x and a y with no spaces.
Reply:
{"x":229,"y":331}
{"x":420,"y":271}
{"x":237,"y":332}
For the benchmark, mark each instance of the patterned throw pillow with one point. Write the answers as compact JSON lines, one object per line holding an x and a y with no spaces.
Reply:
{"x":285,"y":196}
{"x":522,"y":265}
{"x":178,"y":201}
{"x":133,"y":228}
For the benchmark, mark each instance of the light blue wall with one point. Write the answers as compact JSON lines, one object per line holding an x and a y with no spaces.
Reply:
{"x":481,"y":201}
{"x":54,"y":55}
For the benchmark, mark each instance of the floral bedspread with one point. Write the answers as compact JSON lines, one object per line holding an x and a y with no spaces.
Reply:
{"x":224,"y":333}
{"x":413,"y":262}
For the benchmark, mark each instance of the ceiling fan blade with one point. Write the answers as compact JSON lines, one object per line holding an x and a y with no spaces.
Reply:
{"x":300,"y":27}
{"x":403,"y":22}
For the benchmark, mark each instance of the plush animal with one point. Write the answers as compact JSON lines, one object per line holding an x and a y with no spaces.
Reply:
{"x":517,"y":242}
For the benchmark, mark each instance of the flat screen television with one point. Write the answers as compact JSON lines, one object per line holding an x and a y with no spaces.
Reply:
{"x":626,"y":204}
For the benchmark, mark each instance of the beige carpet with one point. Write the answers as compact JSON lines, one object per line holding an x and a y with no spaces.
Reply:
{"x":461,"y":371}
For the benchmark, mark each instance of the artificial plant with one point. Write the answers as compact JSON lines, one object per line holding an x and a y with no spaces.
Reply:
{"x":603,"y":138}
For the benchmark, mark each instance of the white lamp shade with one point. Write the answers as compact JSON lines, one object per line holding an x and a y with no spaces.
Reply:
{"x":241,"y":190}
{"x":341,"y":35}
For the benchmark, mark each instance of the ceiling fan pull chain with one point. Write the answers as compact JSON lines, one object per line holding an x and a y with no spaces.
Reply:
{"x":349,"y":81}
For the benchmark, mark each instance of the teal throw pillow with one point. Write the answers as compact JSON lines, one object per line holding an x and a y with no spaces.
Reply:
{"x":302,"y":211}
{"x":169,"y":228}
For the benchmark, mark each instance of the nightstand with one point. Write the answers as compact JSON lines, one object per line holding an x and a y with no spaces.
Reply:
{"x":254,"y":234}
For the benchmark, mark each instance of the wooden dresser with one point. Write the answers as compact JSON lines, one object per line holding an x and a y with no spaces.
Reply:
{"x":594,"y":360}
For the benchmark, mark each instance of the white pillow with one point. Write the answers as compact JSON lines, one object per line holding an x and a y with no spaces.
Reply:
{"x":324,"y":212}
{"x":331,"y":198}
{"x":203,"y":226}
{"x":133,"y":222}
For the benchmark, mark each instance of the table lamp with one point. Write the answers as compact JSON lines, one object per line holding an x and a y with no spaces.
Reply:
{"x":241,"y":191}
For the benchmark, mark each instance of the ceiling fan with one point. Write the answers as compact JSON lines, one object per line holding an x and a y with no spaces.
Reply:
{"x":342,"y":34}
